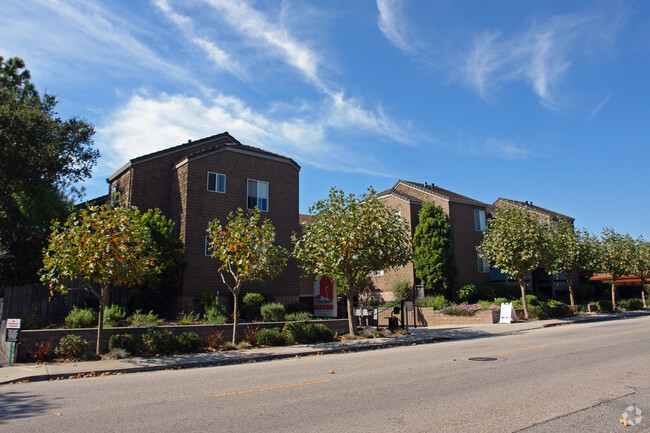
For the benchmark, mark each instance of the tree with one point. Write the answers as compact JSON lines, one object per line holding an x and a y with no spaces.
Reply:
{"x":575,"y":252}
{"x":41,"y":157}
{"x":517,"y":243}
{"x":99,"y":246}
{"x":640,"y":264}
{"x":246,"y":253}
{"x":433,"y":252}
{"x":349,"y":237}
{"x":616,"y":253}
{"x":161,"y":285}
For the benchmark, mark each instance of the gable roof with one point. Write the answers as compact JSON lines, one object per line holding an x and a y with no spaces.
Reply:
{"x":429,"y":189}
{"x":531,"y":207}
{"x":199,"y":148}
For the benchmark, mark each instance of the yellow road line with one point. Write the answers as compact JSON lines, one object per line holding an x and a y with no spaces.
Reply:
{"x":637,"y":332}
{"x":523,"y":350}
{"x":273,"y":387}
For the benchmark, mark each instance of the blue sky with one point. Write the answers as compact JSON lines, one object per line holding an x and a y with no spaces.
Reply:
{"x":540,"y":101}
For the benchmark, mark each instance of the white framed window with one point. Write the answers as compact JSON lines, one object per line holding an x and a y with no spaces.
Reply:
{"x":258,"y":195}
{"x":479,"y":220}
{"x":216,"y":182}
{"x":483,"y":266}
{"x":378,"y":273}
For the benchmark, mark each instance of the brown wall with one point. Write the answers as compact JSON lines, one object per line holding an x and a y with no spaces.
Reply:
{"x":203,"y":206}
{"x":466,"y":238}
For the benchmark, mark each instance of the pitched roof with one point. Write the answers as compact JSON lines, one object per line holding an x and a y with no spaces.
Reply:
{"x":429,"y":189}
{"x":199,"y":148}
{"x":530,"y":206}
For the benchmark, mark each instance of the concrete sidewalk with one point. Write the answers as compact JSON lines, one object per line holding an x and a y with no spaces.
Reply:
{"x":37,"y":372}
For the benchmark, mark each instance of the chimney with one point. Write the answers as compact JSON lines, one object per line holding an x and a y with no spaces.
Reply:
{"x":425,"y":184}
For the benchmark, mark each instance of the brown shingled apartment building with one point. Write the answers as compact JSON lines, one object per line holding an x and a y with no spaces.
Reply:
{"x":198,"y":181}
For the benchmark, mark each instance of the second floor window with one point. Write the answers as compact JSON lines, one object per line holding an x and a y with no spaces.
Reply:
{"x":258,"y":195}
{"x":479,"y":220}
{"x":216,"y":182}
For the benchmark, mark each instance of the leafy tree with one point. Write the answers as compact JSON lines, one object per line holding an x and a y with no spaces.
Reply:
{"x":616,"y":256}
{"x":161,"y":285}
{"x":640,"y":264}
{"x":350,"y":236}
{"x":517,"y":243}
{"x":433,"y":252}
{"x":41,"y":157}
{"x":574,"y":252}
{"x":246,"y":252}
{"x":99,"y":246}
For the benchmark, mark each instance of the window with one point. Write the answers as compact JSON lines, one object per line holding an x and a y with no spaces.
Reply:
{"x":479,"y":220}
{"x":216,"y":182}
{"x":378,"y":273}
{"x":208,"y":250}
{"x":483,"y":266}
{"x":258,"y":195}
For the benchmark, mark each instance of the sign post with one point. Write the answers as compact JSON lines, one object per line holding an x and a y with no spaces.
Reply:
{"x":508,"y":313}
{"x":13,"y":329}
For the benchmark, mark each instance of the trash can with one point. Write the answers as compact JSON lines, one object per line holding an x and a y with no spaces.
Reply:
{"x":393,"y":323}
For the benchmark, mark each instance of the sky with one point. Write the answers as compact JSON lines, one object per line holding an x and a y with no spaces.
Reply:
{"x":543,"y":101}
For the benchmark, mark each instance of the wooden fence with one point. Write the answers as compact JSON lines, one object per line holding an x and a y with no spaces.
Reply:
{"x":36,"y":299}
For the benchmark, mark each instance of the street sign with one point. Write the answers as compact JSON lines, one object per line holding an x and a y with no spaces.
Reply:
{"x":409,"y":306}
{"x":13,"y":323}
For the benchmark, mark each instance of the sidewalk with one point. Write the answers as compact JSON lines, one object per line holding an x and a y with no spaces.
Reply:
{"x":39,"y":372}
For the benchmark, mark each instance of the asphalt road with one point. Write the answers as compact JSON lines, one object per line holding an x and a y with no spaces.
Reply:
{"x":567,"y":378}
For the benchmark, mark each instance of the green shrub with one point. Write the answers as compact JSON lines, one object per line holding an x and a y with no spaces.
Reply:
{"x":251,"y":304}
{"x":623,"y":304}
{"x":461,"y":310}
{"x":635,"y":304}
{"x":272,"y":312}
{"x":30,"y":321}
{"x":244,"y":345}
{"x":229,"y":345}
{"x":305,"y":332}
{"x":604,"y":306}
{"x":486,"y":293}
{"x":539,"y":311}
{"x":299,"y":316}
{"x":270,"y":337}
{"x":72,"y":347}
{"x":438,"y":302}
{"x":128,"y":342}
{"x":467,"y":293}
{"x":140,"y":320}
{"x":499,"y":301}
{"x":402,"y":290}
{"x":532,"y":300}
{"x":215,"y":314}
{"x":559,"y":309}
{"x":43,"y":351}
{"x":159,"y":342}
{"x":188,"y":318}
{"x":118,"y":353}
{"x":188,"y":342}
{"x":204,"y":300}
{"x":113,"y":315}
{"x":81,"y":318}
{"x":214,"y":340}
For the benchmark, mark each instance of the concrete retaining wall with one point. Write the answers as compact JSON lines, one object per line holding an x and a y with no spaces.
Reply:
{"x":431,"y":317}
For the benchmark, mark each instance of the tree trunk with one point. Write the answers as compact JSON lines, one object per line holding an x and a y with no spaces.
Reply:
{"x":352,"y":324}
{"x":569,"y":280}
{"x":235,"y":311}
{"x":522,"y":284}
{"x":103,"y":300}
{"x":614,"y":294}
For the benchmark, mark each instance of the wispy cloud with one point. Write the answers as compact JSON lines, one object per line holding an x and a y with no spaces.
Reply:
{"x":600,"y":106}
{"x":155,"y":123}
{"x":394,"y":25}
{"x":506,"y":150}
{"x":217,"y":55}
{"x":539,"y":56}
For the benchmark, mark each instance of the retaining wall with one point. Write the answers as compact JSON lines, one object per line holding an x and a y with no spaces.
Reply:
{"x":27,"y":339}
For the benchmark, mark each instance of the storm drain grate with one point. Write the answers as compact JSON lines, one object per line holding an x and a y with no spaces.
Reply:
{"x":482,"y":358}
